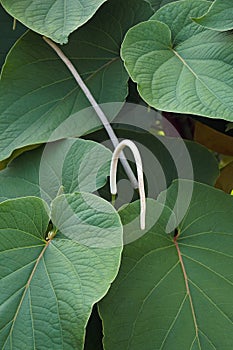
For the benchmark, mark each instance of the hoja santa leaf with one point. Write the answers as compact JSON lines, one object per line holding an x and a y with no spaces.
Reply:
{"x":180,"y":66}
{"x":175,"y":289}
{"x":55,"y":19}
{"x":48,"y":287}
{"x":65,"y":166}
{"x":39,"y":98}
{"x":219,"y":16}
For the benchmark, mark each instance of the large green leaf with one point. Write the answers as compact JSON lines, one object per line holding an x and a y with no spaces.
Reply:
{"x":67,"y":166}
{"x":180,"y":66}
{"x":48,"y":287}
{"x":175,"y":292}
{"x":55,"y":19}
{"x":8,"y":35}
{"x":219,"y":16}
{"x":39,"y":98}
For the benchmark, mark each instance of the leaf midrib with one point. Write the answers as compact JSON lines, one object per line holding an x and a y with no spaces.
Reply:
{"x":186,"y":280}
{"x":196,"y":76}
{"x":25,"y":290}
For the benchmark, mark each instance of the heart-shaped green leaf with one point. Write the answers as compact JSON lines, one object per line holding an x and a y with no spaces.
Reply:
{"x":219,"y":16}
{"x":54,"y":19}
{"x":48,"y":286}
{"x":67,"y":166}
{"x":175,"y":289}
{"x":180,"y":66}
{"x":39,"y":98}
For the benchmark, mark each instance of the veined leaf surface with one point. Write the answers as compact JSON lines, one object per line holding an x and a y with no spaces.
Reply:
{"x":48,"y":286}
{"x":65,"y":166}
{"x":219,"y":16}
{"x":180,"y":66}
{"x":52,"y":18}
{"x":40,"y":100}
{"x":175,"y":291}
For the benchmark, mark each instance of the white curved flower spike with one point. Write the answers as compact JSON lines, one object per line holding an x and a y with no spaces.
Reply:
{"x":113,"y":171}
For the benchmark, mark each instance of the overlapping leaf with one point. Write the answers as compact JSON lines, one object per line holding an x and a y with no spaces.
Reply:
{"x":55,"y":19}
{"x":219,"y":16}
{"x":48,"y":287}
{"x":8,"y":35}
{"x":67,"y":166}
{"x":79,"y":165}
{"x":39,"y":98}
{"x":180,"y":66}
{"x":175,"y":290}
{"x":156,"y":4}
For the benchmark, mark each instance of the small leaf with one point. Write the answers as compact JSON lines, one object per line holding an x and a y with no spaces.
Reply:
{"x":72,"y":164}
{"x":39,"y":99}
{"x":175,"y":286}
{"x":219,"y":16}
{"x":54,"y":19}
{"x":48,"y":287}
{"x":229,"y":126}
{"x":180,"y":66}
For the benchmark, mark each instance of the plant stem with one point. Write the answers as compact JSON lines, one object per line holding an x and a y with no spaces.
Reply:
{"x":97,"y":109}
{"x":141,"y":187}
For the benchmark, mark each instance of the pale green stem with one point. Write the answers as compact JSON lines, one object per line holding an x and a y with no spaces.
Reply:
{"x":138,"y":161}
{"x":98,"y":110}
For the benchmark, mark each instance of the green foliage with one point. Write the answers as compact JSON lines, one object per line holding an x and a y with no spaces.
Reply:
{"x":175,"y":71}
{"x":219,"y":16}
{"x":204,"y":164}
{"x":156,"y":4}
{"x":44,"y":92}
{"x":34,"y":270}
{"x":169,"y":286}
{"x":76,"y":165}
{"x":76,"y":270}
{"x":8,"y":35}
{"x":53,"y":19}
